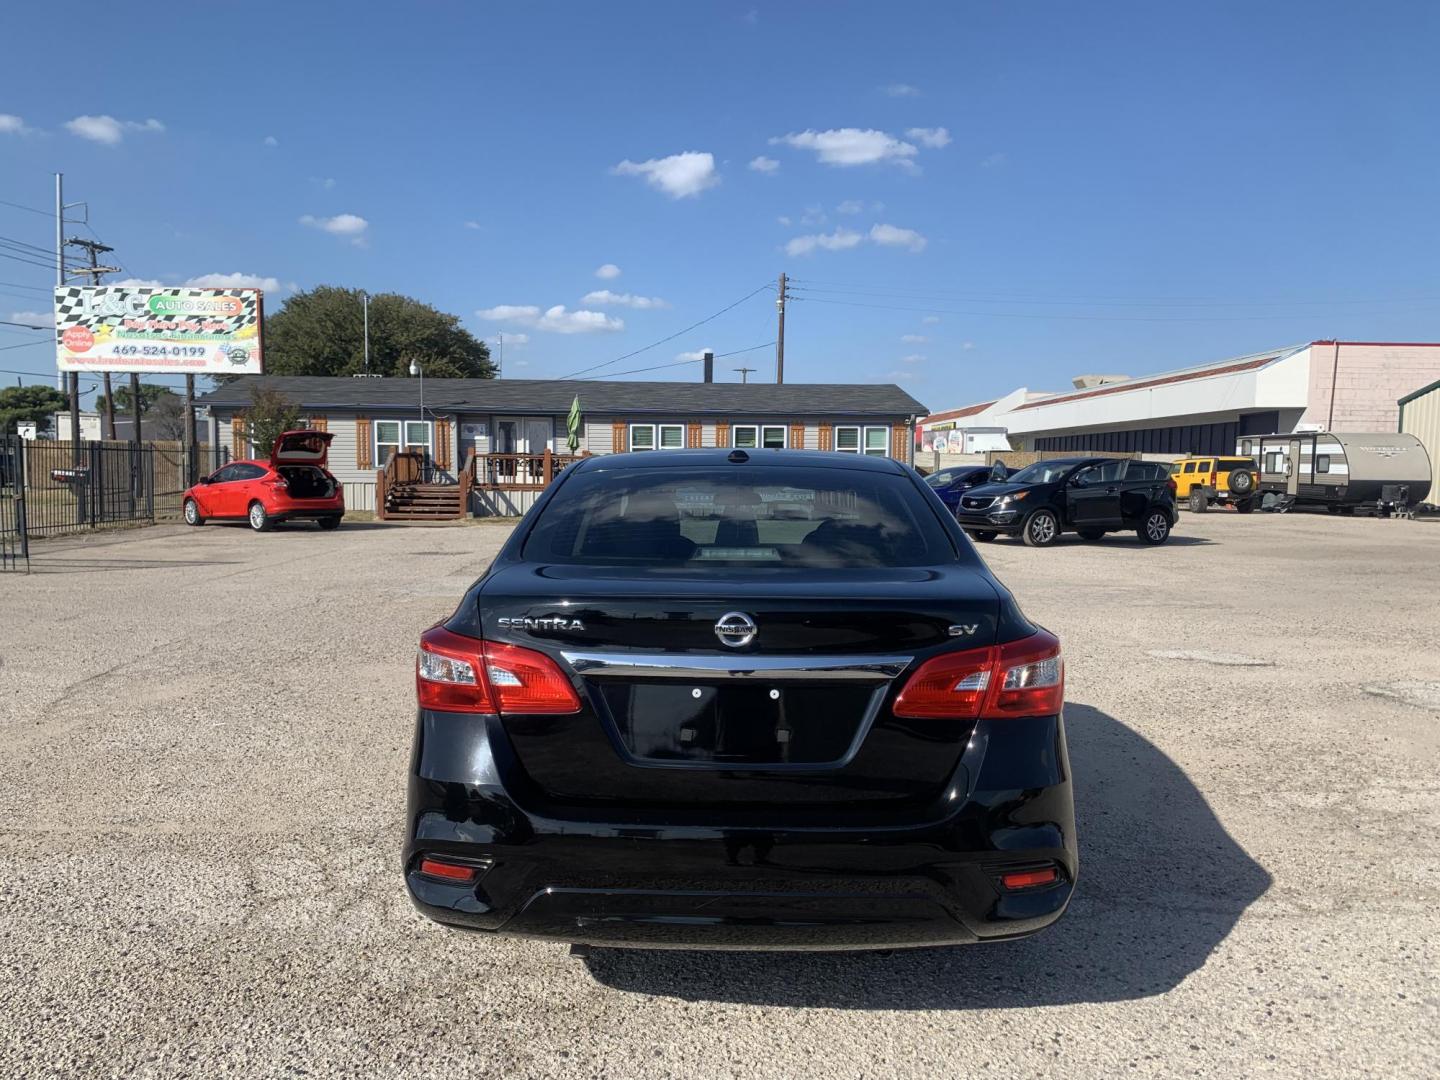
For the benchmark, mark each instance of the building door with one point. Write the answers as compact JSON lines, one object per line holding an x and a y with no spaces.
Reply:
{"x":1292,"y":469}
{"x":538,"y":432}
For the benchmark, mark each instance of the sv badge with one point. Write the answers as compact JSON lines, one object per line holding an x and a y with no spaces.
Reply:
{"x":964,"y":629}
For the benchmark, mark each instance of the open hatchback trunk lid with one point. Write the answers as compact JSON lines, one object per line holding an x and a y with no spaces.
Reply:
{"x":301,"y":448}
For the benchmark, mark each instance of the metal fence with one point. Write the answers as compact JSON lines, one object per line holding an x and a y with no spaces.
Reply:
{"x":49,"y":488}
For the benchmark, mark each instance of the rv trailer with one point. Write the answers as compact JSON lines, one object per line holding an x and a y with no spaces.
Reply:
{"x":1342,"y":471}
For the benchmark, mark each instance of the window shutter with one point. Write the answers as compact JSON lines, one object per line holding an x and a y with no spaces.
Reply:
{"x":692,"y":435}
{"x":238,"y":449}
{"x":797,"y":436}
{"x":722,"y":433}
{"x":827,"y":437}
{"x":442,"y":443}
{"x":362,"y":443}
{"x":318,"y":423}
{"x":618,"y":431}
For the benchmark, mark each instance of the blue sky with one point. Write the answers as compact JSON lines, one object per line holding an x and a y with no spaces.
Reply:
{"x":970,"y":196}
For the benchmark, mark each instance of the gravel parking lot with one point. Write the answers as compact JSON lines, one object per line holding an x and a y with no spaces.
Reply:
{"x":203,"y":740}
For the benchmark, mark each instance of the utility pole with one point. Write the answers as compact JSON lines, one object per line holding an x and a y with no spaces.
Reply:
{"x":744,"y":372}
{"x":72,"y":382}
{"x":780,"y":335}
{"x":95,"y":271}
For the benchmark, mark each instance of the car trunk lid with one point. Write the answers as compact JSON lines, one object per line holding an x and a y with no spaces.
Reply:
{"x":302,"y":447}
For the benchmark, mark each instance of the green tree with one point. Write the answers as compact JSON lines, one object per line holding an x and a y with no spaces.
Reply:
{"x":270,"y":413}
{"x":150,"y":396}
{"x":322,"y":332}
{"x":26,"y":404}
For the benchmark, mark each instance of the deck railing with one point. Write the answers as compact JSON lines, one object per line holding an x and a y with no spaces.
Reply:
{"x":518,"y":472}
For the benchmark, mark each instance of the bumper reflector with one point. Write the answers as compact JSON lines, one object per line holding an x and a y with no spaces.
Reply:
{"x":446,"y":870}
{"x":1028,"y":879}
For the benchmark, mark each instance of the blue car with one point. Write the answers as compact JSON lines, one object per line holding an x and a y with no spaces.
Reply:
{"x":951,"y":483}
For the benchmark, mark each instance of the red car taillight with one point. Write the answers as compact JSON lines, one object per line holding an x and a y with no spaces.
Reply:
{"x":454,"y":673}
{"x":1173,"y":486}
{"x":1019,"y":678}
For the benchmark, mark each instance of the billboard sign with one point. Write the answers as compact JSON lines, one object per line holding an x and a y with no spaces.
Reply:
{"x":138,"y":328}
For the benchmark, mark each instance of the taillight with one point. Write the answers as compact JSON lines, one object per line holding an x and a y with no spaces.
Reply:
{"x":449,"y":673}
{"x":1173,"y":486}
{"x":454,"y":673}
{"x":1020,"y":678}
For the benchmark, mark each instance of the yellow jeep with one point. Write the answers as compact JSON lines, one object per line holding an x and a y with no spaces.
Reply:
{"x":1225,"y":481}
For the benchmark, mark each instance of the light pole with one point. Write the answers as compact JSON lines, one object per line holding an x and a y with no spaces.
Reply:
{"x":417,"y":370}
{"x":365,"y":301}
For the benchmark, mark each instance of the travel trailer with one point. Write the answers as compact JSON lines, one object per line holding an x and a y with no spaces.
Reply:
{"x":1342,"y":471}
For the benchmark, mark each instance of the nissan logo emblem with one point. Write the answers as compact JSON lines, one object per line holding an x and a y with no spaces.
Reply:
{"x":735,"y":629}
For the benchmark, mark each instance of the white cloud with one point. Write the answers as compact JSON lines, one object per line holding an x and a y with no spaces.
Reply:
{"x":608,"y":272}
{"x":993,"y":160}
{"x":763,"y":164}
{"x":681,"y":176}
{"x":851,"y":146}
{"x":968,"y":346}
{"x":510,"y":313}
{"x":783,"y":220}
{"x":33,"y":318}
{"x":10,"y":124}
{"x":913,"y":358}
{"x":212,"y":281}
{"x":473,"y":225}
{"x":894,"y":236}
{"x":914,"y":339}
{"x":108,"y":130}
{"x":839,"y":240}
{"x":698,"y":354}
{"x":352,"y":227}
{"x":930,"y":320}
{"x":326,"y":182}
{"x":235,"y":281}
{"x":850,"y":206}
{"x":514,"y":338}
{"x":934,"y":138}
{"x":606,"y":298}
{"x":900,"y":90}
{"x":557,"y":319}
{"x":813,"y":215}
{"x":270,"y":140}
{"x":751,"y":17}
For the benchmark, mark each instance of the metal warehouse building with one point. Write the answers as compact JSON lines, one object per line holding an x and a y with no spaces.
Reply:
{"x":1318,"y":386}
{"x":1420,"y":416}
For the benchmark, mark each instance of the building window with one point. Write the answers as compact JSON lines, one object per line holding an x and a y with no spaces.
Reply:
{"x":853,"y":439}
{"x":764,"y":436}
{"x":392,"y":436}
{"x":652,"y":436}
{"x":1272,"y":462}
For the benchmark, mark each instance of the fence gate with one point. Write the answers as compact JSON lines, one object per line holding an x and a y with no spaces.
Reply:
{"x":14,"y":540}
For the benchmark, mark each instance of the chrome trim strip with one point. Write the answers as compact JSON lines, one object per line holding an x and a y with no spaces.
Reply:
{"x":683,"y":666}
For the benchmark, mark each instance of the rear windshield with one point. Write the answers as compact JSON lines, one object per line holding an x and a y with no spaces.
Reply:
{"x":1226,"y":464}
{"x":739,"y":517}
{"x":1042,"y":472}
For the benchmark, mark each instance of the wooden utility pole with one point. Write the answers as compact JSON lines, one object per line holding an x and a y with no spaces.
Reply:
{"x":744,"y":373}
{"x":780,"y":334}
{"x":95,"y":272}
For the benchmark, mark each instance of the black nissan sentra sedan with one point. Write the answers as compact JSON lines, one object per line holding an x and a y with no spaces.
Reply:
{"x":741,"y":700}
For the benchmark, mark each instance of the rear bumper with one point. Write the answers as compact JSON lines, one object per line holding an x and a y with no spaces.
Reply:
{"x":614,"y":878}
{"x":301,"y":509}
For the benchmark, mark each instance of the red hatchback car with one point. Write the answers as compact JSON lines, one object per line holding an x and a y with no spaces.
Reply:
{"x":293,"y":484}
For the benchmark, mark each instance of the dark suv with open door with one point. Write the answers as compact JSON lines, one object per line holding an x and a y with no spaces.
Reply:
{"x":763,"y":699}
{"x":1089,"y":496}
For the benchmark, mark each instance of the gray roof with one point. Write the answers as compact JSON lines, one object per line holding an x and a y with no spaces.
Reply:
{"x":554,"y":396}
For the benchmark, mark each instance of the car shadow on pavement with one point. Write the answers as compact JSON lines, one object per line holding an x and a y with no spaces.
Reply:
{"x":1161,"y":885}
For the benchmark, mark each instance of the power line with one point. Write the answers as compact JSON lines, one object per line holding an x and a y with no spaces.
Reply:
{"x":32,"y":288}
{"x":671,"y":337}
{"x":1067,"y":318}
{"x":678,"y":363}
{"x":807,"y":285}
{"x":33,"y":210}
{"x":26,"y":325}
